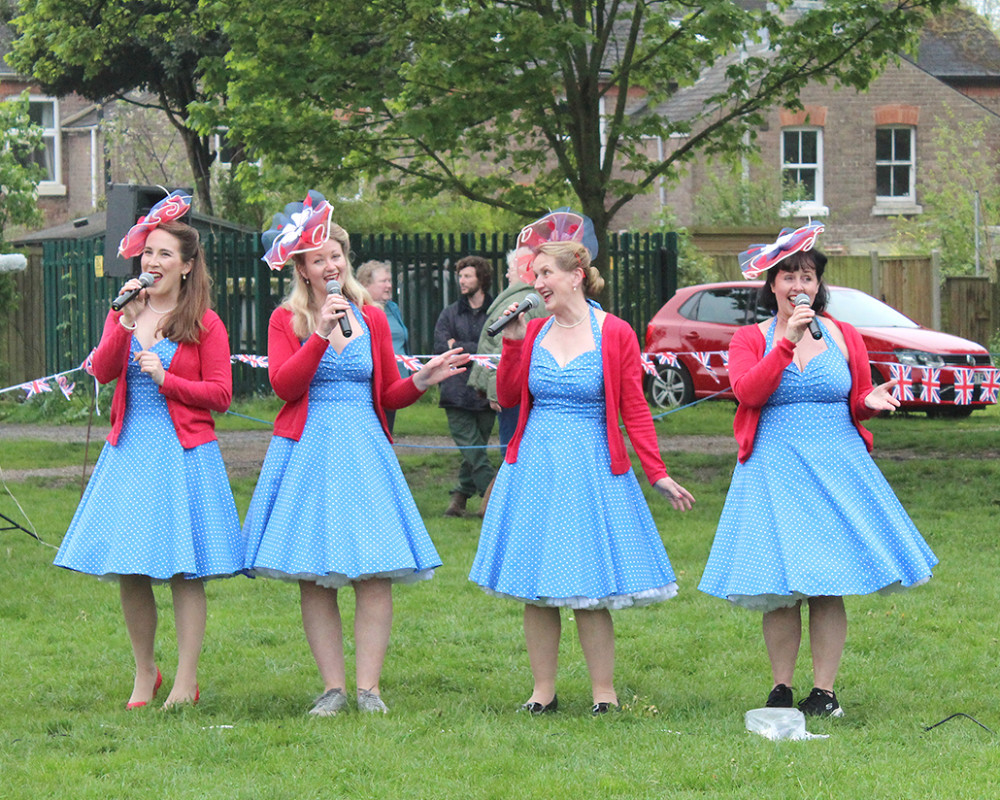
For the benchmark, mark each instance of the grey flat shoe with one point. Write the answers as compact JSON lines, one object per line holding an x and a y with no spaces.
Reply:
{"x":370,"y":703}
{"x":330,"y":703}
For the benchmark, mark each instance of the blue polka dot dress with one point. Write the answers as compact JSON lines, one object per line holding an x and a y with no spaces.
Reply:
{"x":334,"y":507}
{"x":151,"y":507}
{"x":809,"y":513}
{"x":560,"y":528}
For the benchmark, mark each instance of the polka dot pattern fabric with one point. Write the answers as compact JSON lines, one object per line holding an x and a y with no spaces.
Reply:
{"x":560,"y":528}
{"x":809,"y":513}
{"x":151,"y":507}
{"x":334,"y":506}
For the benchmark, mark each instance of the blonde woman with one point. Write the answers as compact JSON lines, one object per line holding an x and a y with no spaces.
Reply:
{"x":331,"y":508}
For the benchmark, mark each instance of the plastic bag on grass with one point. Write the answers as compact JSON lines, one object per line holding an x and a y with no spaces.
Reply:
{"x":779,"y":723}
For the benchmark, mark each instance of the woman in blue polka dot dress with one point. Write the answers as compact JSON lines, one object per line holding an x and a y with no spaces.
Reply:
{"x":332,"y":508}
{"x":567,"y":523}
{"x":170,"y":354}
{"x":809,"y":516}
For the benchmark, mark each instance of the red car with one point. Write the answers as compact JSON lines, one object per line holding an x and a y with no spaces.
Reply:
{"x":698,"y":322}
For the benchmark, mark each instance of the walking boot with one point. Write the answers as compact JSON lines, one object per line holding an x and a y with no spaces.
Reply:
{"x":456,"y":508}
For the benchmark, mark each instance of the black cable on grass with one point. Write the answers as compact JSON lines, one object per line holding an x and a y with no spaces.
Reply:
{"x":959,"y":714}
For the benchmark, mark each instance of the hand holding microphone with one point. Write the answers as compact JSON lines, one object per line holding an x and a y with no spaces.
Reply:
{"x":803,"y":300}
{"x":529,"y":302}
{"x":333,"y":287}
{"x":127,"y":296}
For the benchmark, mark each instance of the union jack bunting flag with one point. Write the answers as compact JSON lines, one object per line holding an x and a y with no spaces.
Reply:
{"x":903,"y":375}
{"x":251,"y":359}
{"x":88,"y":363}
{"x":964,"y":387}
{"x":37,"y":386}
{"x":667,"y":358}
{"x":725,"y":358}
{"x":647,"y":364}
{"x":483,"y":360}
{"x":930,"y":385}
{"x":990,"y":386}
{"x":65,"y":386}
{"x":704,"y":359}
{"x":412,"y":363}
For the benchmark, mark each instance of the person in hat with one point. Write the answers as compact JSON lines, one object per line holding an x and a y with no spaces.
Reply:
{"x":808,"y":518}
{"x":331,"y":508}
{"x":170,"y":354}
{"x":567,"y":524}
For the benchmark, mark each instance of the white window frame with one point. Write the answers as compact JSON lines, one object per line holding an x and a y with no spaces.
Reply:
{"x":898,"y":204}
{"x":55,"y":185}
{"x":804,"y":208}
{"x":218,"y":144}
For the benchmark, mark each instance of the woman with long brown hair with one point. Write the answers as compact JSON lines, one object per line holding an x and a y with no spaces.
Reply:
{"x":170,"y":354}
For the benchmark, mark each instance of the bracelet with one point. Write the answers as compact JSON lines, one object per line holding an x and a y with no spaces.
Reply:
{"x":121,"y":322}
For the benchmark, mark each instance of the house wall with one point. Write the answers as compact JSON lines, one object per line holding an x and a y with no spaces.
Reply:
{"x":849,"y":124}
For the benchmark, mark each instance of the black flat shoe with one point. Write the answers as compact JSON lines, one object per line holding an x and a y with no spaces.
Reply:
{"x":604,"y":708}
{"x":537,"y":708}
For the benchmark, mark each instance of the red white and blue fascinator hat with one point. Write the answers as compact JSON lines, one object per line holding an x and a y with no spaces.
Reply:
{"x":561,"y":225}
{"x":759,"y":258}
{"x":174,"y":206}
{"x":300,"y":228}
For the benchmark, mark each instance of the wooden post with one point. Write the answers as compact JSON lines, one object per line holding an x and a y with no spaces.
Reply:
{"x":876,"y":274}
{"x":936,"y":289}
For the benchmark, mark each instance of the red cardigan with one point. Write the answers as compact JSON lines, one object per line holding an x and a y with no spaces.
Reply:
{"x":622,"y":393}
{"x":755,"y":377}
{"x":199,"y":381}
{"x":291,"y":365}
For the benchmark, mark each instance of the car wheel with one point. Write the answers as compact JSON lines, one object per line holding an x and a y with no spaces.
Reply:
{"x":670,"y":387}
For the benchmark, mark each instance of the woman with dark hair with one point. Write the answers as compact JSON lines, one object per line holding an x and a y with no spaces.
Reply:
{"x":567,"y":524}
{"x":331,"y":508}
{"x":170,"y":354}
{"x":808,"y":518}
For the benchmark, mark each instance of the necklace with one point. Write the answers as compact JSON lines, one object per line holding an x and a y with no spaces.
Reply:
{"x":157,"y":311}
{"x":572,"y":324}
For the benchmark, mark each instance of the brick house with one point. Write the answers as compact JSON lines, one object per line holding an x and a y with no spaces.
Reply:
{"x":856,"y":156}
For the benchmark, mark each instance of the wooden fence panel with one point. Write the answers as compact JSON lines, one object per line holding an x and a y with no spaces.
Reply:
{"x":970,"y":304}
{"x":22,"y":342}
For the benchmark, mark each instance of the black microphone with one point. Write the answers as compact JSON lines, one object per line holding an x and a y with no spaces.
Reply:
{"x":531,"y":301}
{"x":124,"y":299}
{"x":803,"y":300}
{"x":333,"y":287}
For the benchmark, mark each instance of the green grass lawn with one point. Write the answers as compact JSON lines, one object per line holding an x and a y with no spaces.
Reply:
{"x":687,"y":669}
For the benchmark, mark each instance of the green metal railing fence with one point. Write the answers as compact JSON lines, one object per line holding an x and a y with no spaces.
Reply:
{"x":642,"y":275}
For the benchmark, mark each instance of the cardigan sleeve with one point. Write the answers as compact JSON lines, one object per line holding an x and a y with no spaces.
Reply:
{"x":111,"y":355}
{"x":290,"y":364}
{"x":634,"y":409}
{"x":755,"y":379}
{"x":213,"y":389}
{"x":509,"y":373}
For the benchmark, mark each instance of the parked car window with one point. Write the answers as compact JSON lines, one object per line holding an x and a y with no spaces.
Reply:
{"x":864,"y":311}
{"x":723,"y":306}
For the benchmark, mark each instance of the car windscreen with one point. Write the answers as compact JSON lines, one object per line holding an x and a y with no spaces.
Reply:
{"x":864,"y":311}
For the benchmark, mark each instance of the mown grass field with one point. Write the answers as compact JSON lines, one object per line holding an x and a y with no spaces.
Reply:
{"x":687,"y":669}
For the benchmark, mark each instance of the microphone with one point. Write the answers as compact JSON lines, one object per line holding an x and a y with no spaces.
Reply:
{"x":531,"y":301}
{"x":124,"y":299}
{"x":333,"y":287}
{"x":803,"y":300}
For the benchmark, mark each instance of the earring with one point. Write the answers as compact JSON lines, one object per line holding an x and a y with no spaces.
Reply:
{"x":184,"y":278}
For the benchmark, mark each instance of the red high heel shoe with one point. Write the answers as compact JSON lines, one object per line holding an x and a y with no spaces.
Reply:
{"x":156,"y":688}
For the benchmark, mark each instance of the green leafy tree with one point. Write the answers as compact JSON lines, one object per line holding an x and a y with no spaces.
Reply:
{"x":153,"y":53}
{"x":514,"y":103}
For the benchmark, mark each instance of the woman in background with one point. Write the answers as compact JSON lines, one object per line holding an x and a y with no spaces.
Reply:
{"x":170,"y":354}
{"x":376,"y":277}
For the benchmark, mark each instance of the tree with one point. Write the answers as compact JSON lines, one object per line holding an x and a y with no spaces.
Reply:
{"x":151,"y":53}
{"x":516,"y":103}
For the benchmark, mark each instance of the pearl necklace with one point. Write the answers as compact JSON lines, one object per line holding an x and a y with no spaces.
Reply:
{"x":572,"y":324}
{"x":157,"y":311}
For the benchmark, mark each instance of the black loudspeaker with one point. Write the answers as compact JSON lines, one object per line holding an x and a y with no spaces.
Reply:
{"x":126,"y":203}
